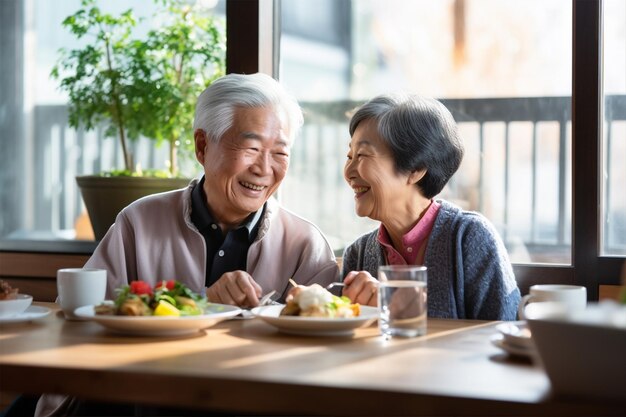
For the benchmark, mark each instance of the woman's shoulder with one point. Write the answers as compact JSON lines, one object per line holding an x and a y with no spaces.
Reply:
{"x":469,"y":227}
{"x":365,"y":239}
{"x":362,"y":243}
{"x":451,"y":213}
{"x":362,"y":254}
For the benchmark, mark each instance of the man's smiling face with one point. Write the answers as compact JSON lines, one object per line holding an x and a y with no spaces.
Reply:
{"x":246,"y":166}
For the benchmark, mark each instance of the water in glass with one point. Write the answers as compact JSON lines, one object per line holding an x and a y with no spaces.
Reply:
{"x":402,"y":301}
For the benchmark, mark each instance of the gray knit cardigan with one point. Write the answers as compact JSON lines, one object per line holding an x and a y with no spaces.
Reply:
{"x":469,"y":272}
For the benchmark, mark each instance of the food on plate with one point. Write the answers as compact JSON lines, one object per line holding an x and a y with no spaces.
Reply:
{"x":166,"y":298}
{"x":316,"y":301}
{"x":6,"y":291}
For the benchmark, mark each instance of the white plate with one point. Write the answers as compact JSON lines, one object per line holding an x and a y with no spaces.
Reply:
{"x":31,"y":313}
{"x":516,"y":333}
{"x":315,"y":326}
{"x":160,"y":325}
{"x":499,"y":341}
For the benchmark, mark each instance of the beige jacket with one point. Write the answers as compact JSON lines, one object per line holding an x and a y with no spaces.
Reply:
{"x":154,"y":239}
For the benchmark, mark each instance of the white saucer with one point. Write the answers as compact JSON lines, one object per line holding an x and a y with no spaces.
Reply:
{"x":514,"y":350}
{"x":516,"y":333}
{"x":31,"y":313}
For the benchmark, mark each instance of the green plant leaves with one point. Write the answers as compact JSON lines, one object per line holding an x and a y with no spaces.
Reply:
{"x":144,"y":86}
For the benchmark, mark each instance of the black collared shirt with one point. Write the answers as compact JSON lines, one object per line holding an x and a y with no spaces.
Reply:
{"x":223,"y":253}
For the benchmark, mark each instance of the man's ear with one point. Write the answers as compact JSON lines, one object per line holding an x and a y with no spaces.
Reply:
{"x":415,"y":176}
{"x":200,"y":139}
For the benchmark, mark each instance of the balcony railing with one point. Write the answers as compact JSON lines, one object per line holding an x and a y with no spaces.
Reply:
{"x":319,"y":155}
{"x":60,"y":153}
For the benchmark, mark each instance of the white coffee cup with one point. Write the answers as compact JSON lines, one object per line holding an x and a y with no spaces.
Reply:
{"x":572,"y":296}
{"x":79,"y":287}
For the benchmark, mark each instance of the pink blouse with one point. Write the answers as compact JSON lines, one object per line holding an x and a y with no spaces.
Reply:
{"x":412,"y":241}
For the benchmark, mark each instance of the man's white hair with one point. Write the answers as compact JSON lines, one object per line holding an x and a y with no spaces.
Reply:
{"x":217,"y":103}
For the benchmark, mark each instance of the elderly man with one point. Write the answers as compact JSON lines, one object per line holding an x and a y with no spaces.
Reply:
{"x":225,"y":232}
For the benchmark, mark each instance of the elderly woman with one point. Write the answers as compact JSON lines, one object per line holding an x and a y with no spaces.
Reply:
{"x":403,"y":151}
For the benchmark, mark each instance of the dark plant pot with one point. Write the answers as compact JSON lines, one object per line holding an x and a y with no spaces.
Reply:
{"x":105,"y":197}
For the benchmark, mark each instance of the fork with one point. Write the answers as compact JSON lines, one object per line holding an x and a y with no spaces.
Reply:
{"x":335,"y":284}
{"x":267,"y":299}
{"x":328,"y":287}
{"x":332,"y":285}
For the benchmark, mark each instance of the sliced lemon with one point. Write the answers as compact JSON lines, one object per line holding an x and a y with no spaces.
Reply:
{"x":166,"y":309}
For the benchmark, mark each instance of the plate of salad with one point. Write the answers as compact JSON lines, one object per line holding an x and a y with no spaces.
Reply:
{"x":169,"y":308}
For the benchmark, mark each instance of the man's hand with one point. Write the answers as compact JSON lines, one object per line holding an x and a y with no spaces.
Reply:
{"x":361,"y":287}
{"x":236,"y":288}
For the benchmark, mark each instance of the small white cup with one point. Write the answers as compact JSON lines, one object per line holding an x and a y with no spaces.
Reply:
{"x":574,"y":297}
{"x":79,"y":287}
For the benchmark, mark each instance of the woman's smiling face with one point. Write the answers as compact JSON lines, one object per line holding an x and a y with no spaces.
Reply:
{"x":247,"y":165}
{"x":379,"y":191}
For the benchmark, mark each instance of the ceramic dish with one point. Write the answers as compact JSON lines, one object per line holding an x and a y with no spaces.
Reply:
{"x":582,"y":351}
{"x":315,"y":326}
{"x":499,"y":341}
{"x":15,"y":306}
{"x":516,"y":333}
{"x":30,"y":314}
{"x":160,"y":325}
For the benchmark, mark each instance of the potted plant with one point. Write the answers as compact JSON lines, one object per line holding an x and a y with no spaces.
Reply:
{"x":134,"y":87}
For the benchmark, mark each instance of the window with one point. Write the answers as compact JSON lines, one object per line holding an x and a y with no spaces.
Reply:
{"x":41,"y":203}
{"x":589,"y":241}
{"x":567,"y":226}
{"x":614,"y":130}
{"x":502,"y":67}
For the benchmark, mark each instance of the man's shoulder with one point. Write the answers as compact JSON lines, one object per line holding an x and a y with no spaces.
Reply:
{"x":282,"y":223}
{"x":156,"y":205}
{"x":294,"y":222}
{"x":292,"y":232}
{"x":291,"y":220}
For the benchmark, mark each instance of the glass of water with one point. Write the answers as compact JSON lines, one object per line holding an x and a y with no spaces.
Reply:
{"x":402,"y":300}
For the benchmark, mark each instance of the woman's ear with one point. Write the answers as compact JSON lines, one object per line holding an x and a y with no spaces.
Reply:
{"x":199,"y":137}
{"x":415,"y":176}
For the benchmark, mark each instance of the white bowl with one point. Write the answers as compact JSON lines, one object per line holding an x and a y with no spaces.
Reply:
{"x":15,"y":306}
{"x":583,"y":351}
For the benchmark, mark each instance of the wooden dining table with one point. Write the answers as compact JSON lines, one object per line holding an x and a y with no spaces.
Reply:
{"x":248,"y":366}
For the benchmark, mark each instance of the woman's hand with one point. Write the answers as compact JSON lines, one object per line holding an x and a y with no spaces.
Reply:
{"x":408,"y":303}
{"x":236,"y":288}
{"x":361,"y":287}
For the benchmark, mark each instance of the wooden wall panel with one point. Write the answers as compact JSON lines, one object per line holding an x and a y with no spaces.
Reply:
{"x":35,"y":273}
